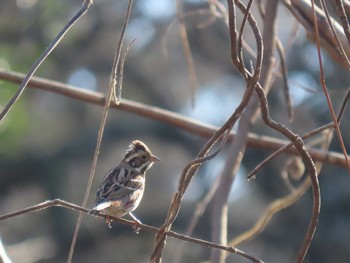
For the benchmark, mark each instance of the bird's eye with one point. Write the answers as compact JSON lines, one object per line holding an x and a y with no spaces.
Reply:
{"x":143,"y":157}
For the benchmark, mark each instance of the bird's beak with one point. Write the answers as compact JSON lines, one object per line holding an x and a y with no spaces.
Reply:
{"x":154,"y":158}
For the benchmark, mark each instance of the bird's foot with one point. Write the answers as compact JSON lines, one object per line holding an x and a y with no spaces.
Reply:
{"x":137,"y":224}
{"x":109,"y":221}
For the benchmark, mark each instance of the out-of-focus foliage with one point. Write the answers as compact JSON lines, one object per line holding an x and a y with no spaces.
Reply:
{"x":47,"y":141}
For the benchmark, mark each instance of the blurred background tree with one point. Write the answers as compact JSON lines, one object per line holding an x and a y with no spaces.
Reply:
{"x":47,"y":140}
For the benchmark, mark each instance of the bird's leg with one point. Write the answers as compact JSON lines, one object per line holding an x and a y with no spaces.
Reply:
{"x":108,"y":221}
{"x":96,"y":212}
{"x":137,"y":223}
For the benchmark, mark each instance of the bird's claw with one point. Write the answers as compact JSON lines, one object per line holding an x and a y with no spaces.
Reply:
{"x":136,"y":227}
{"x":109,"y":221}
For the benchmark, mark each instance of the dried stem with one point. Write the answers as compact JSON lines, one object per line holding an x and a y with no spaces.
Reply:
{"x":121,"y":73}
{"x":343,"y":17}
{"x":339,"y":45}
{"x":44,"y":55}
{"x":273,"y":208}
{"x":299,"y":145}
{"x":304,"y":137}
{"x":284,"y":72}
{"x":111,"y":91}
{"x":236,"y":151}
{"x":324,"y":87}
{"x":187,"y":50}
{"x":189,"y":172}
{"x":287,"y":201}
{"x":303,"y":12}
{"x":193,"y":166}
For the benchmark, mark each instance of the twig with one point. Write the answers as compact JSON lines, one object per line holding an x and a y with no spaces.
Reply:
{"x":81,"y":209}
{"x":343,"y":18}
{"x":85,"y":6}
{"x":283,"y":203}
{"x":121,"y":73}
{"x":273,"y":208}
{"x":339,"y":45}
{"x":197,"y":213}
{"x":186,"y":177}
{"x":111,"y":91}
{"x":304,"y":137}
{"x":240,"y":42}
{"x":284,"y":72}
{"x":302,"y":10}
{"x":299,"y":145}
{"x":187,"y":51}
{"x":237,"y":147}
{"x":177,"y":120}
{"x":193,"y":166}
{"x":324,"y":87}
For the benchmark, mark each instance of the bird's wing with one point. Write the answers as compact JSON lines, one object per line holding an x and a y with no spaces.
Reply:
{"x":118,"y":183}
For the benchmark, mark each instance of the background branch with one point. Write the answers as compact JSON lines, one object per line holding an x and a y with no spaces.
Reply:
{"x":180,"y":121}
{"x":44,"y":55}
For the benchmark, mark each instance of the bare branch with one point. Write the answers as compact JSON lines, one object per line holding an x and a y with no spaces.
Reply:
{"x":44,"y":55}
{"x":302,"y":11}
{"x":273,"y":208}
{"x":236,"y":151}
{"x":187,"y":50}
{"x":111,"y":92}
{"x":180,"y":121}
{"x":304,"y":137}
{"x":81,"y":209}
{"x":284,"y":72}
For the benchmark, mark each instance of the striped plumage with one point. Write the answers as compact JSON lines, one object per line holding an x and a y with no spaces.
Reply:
{"x":122,"y":188}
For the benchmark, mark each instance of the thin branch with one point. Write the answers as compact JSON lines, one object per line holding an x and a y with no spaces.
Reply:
{"x":273,"y":208}
{"x":81,"y":209}
{"x":303,"y":12}
{"x":197,"y":213}
{"x":339,"y":45}
{"x":325,"y":90}
{"x":194,"y":165}
{"x":237,"y":147}
{"x":283,"y":203}
{"x":304,"y":137}
{"x":188,"y":173}
{"x":85,"y":6}
{"x":343,"y":17}
{"x":284,"y":72}
{"x":240,"y":41}
{"x":177,"y":120}
{"x":187,"y":51}
{"x":111,"y":92}
{"x":121,"y":73}
{"x":299,"y":145}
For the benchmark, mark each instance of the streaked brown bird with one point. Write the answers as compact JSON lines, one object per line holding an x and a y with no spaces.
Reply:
{"x":122,"y":188}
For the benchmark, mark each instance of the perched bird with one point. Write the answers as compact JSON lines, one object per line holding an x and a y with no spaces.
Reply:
{"x":122,"y":188}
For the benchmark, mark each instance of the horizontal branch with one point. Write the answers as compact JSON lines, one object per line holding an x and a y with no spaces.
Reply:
{"x":180,"y":121}
{"x":77,"y":208}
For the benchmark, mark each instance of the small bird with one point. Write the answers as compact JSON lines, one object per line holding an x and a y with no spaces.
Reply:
{"x":122,"y":188}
